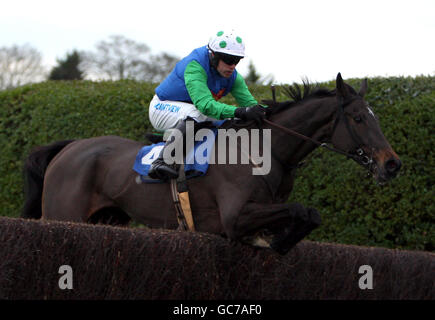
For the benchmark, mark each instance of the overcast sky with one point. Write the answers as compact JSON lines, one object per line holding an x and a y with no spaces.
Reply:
{"x":288,"y":39}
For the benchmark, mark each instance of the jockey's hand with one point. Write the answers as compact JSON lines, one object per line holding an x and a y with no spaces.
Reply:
{"x":256,"y":113}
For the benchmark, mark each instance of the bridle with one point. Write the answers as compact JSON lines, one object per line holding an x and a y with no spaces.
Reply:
{"x":358,"y":155}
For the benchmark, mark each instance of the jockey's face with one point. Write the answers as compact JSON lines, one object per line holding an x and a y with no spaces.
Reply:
{"x":225,"y":70}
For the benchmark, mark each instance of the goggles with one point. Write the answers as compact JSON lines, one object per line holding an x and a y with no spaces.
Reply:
{"x":228,"y":59}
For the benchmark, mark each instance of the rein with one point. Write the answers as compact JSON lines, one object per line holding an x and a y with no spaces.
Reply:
{"x":359,"y":156}
{"x":318,"y":143}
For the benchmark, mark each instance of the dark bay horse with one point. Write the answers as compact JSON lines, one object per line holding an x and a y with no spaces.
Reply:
{"x":91,"y":180}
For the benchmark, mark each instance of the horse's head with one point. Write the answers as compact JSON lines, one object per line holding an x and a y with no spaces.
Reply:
{"x":357,"y":131}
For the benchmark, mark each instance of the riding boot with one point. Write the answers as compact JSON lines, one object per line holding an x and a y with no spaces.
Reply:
{"x":159,"y":168}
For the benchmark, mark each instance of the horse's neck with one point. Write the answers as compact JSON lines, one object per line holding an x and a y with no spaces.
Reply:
{"x":313,"y":119}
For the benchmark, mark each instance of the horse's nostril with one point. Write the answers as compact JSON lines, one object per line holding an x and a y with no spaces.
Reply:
{"x":393,"y":165}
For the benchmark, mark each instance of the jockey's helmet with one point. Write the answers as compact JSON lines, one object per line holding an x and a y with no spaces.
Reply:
{"x":227,"y":42}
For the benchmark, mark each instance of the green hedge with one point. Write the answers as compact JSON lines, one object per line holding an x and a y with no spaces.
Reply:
{"x":354,"y":209}
{"x":42,"y":113}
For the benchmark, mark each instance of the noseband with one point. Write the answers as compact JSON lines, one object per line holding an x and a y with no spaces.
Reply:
{"x":358,"y":155}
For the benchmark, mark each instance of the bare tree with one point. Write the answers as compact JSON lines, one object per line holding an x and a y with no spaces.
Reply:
{"x":122,"y":58}
{"x":20,"y":65}
{"x":158,"y":67}
{"x":118,"y":58}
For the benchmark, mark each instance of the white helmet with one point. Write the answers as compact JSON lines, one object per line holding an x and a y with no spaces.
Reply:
{"x":227,"y":42}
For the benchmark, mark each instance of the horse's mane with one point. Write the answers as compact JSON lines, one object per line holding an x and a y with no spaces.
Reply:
{"x":298,"y":94}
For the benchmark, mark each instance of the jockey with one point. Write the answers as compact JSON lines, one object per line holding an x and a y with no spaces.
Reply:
{"x":192,"y":91}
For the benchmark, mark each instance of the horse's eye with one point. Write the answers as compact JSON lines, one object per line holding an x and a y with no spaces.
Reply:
{"x":357,"y":119}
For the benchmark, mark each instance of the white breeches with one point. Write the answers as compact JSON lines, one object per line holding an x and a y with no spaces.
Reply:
{"x":165,"y":114}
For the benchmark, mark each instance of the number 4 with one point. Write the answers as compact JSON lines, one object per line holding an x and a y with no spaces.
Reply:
{"x":152,"y":155}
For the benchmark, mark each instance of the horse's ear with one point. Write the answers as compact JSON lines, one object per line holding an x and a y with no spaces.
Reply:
{"x":342,"y":90}
{"x":363,"y":89}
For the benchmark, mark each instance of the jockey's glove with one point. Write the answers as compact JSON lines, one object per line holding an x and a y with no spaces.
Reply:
{"x":256,"y":113}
